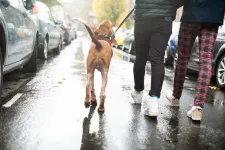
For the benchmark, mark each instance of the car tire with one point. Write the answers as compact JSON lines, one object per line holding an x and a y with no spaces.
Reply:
{"x":131,"y":49}
{"x":66,"y":42}
{"x":58,"y":49}
{"x":75,"y":36}
{"x":31,"y":65}
{"x":123,"y":48}
{"x":43,"y":53}
{"x":220,"y":72}
{"x":169,"y":57}
{"x":1,"y":72}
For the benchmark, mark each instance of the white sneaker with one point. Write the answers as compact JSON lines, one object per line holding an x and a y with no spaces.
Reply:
{"x":195,"y":113}
{"x":150,"y":106}
{"x":137,"y":96}
{"x":172,"y":99}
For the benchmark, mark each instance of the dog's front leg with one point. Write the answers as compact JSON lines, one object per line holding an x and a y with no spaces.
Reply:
{"x":104,"y":73}
{"x":88,"y":89}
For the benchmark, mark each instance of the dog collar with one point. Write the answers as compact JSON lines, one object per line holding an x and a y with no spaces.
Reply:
{"x":106,"y":36}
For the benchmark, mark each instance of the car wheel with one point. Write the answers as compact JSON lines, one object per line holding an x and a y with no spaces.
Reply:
{"x":220,"y":72}
{"x":1,"y":72}
{"x":43,"y":53}
{"x":57,"y":50}
{"x":131,"y":49}
{"x":31,"y":65}
{"x":168,"y":57}
{"x":67,"y":42}
{"x":75,"y":36}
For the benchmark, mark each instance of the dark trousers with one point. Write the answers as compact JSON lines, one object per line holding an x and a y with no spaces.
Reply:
{"x":151,"y":38}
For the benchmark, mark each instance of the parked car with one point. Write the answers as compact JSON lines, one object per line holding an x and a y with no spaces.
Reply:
{"x":49,"y":33}
{"x":73,"y":33}
{"x":128,"y":44}
{"x":218,"y":59}
{"x":172,"y":45}
{"x":120,"y":36}
{"x":18,"y":37}
{"x":67,"y":38}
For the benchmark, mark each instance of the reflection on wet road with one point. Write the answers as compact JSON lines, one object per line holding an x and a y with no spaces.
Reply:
{"x":50,"y":114}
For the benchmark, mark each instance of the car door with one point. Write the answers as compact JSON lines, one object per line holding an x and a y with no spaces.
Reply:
{"x":28,"y":31}
{"x":46,"y":24}
{"x":51,"y":27}
{"x":194,"y":59}
{"x":55,"y":31}
{"x":220,"y":40}
{"x":14,"y":23}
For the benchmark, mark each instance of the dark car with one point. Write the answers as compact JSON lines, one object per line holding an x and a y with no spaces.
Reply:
{"x":18,"y":37}
{"x":49,"y":33}
{"x":128,"y":44}
{"x":73,"y":33}
{"x":67,"y":37}
{"x":218,"y":59}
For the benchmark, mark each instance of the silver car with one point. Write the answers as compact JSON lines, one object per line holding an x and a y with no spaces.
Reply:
{"x":18,"y":37}
{"x":49,"y":33}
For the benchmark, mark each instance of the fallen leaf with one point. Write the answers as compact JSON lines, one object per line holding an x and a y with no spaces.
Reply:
{"x":214,"y":88}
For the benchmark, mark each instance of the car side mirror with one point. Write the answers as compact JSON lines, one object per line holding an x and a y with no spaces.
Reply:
{"x":28,"y":4}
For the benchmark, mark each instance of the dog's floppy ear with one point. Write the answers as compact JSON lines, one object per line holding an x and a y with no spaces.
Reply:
{"x":96,"y":32}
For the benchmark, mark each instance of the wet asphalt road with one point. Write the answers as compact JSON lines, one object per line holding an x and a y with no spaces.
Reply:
{"x":50,"y":114}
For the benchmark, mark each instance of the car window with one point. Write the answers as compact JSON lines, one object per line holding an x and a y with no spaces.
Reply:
{"x":43,"y":10}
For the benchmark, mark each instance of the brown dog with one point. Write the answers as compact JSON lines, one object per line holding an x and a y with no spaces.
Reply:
{"x":99,"y":57}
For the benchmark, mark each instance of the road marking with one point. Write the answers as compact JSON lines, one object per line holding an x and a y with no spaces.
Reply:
{"x":13,"y":100}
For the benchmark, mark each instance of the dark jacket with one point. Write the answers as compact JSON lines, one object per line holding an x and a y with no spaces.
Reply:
{"x":155,"y":8}
{"x":204,"y":11}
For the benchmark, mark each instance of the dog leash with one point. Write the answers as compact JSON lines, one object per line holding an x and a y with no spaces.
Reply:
{"x":123,"y":22}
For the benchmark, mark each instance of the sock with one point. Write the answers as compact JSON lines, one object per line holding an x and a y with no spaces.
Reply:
{"x":155,"y":98}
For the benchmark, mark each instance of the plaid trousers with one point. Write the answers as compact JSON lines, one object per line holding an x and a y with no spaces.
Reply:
{"x":207,"y":37}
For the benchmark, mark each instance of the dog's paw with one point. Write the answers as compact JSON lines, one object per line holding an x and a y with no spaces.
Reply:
{"x":94,"y":103}
{"x":87,"y":104}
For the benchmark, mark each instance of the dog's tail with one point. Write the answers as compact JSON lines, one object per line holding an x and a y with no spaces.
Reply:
{"x":94,"y":39}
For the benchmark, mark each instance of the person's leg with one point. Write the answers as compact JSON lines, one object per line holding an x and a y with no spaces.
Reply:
{"x":160,"y":34}
{"x":187,"y":35}
{"x":142,"y":53}
{"x":207,"y":39}
{"x":158,"y":45}
{"x":141,"y":39}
